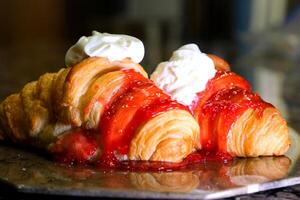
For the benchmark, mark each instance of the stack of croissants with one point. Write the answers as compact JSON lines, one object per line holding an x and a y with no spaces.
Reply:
{"x":100,"y":110}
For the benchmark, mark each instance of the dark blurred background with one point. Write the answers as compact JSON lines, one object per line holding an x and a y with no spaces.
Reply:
{"x":259,"y":38}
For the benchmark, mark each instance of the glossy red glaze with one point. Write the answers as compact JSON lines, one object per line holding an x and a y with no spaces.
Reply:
{"x":222,"y":80}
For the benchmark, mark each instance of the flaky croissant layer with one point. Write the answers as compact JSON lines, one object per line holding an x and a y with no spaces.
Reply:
{"x":266,"y":136}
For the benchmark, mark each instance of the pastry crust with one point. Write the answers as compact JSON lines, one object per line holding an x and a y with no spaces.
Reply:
{"x":79,"y":79}
{"x":12,"y":118}
{"x":97,"y":97}
{"x":36,"y":112}
{"x":252,"y":136}
{"x":219,"y":63}
{"x":170,"y":136}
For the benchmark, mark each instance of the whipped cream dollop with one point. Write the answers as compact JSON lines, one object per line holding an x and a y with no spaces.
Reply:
{"x":185,"y":74}
{"x":112,"y":46}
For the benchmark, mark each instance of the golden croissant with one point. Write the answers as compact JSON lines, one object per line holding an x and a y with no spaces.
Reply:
{"x":100,"y":111}
{"x":236,"y":121}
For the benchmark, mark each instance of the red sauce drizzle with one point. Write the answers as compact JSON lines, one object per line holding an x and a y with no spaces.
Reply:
{"x":222,"y":80}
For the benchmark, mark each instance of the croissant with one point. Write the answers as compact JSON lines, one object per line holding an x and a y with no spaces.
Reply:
{"x":100,"y":111}
{"x":235,"y":120}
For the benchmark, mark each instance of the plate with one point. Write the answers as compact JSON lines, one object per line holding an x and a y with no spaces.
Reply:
{"x":30,"y":173}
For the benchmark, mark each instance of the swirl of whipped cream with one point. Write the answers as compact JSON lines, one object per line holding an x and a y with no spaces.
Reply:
{"x":185,"y":74}
{"x":112,"y":46}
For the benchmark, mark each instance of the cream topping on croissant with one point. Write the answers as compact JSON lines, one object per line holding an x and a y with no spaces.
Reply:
{"x":111,"y":46}
{"x":185,"y":74}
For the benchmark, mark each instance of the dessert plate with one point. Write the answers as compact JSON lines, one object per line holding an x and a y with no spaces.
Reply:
{"x":30,"y":173}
